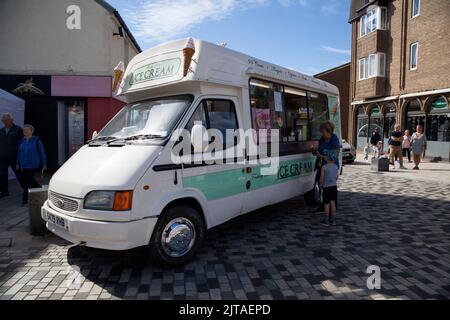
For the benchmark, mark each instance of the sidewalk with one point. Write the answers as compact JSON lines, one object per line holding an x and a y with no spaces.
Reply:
{"x":429,"y":171}
{"x":399,"y":221}
{"x":14,"y":220}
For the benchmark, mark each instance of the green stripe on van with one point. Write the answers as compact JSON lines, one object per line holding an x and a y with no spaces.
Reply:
{"x":218,"y":185}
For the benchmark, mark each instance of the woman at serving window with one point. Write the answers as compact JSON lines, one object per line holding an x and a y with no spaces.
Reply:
{"x":328,"y":142}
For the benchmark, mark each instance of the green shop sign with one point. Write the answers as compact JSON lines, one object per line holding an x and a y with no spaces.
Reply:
{"x":155,"y":71}
{"x":439,"y":104}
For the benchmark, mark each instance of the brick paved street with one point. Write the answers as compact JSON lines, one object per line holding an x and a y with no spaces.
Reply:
{"x":399,"y":221}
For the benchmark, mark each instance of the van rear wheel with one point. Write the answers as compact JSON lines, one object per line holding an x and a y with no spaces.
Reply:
{"x":177,"y":236}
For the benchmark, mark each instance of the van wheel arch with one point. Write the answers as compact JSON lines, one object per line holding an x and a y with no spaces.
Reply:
{"x":190,"y":202}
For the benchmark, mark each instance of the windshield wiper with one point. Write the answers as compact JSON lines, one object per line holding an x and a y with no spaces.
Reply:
{"x":144,"y":137}
{"x":136,"y":137}
{"x":101,"y":139}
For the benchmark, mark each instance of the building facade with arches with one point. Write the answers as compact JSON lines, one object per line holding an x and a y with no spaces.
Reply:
{"x":400,"y":71}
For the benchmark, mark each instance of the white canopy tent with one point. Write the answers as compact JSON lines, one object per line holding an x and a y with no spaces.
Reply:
{"x":14,"y":105}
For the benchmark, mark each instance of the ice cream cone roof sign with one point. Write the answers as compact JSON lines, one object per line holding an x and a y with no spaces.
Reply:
{"x":119,"y":71}
{"x":188,"y":53}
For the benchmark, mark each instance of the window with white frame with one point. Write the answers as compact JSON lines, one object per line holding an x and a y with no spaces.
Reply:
{"x":374,"y":19}
{"x":372,"y":66}
{"x":415,"y":8}
{"x":414,"y":57}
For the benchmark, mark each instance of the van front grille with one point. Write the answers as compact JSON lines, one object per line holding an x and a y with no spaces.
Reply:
{"x":63,"y":203}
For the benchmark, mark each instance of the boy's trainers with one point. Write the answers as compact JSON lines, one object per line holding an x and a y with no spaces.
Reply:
{"x":333,"y":223}
{"x":325,"y":222}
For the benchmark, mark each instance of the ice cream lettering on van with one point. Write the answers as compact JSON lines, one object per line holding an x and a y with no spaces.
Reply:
{"x":294,"y":169}
{"x":157,"y":70}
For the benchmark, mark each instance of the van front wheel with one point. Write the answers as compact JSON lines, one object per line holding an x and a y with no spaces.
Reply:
{"x":177,"y":236}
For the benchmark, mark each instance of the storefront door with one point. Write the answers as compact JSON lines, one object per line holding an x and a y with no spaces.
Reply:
{"x":71,"y":128}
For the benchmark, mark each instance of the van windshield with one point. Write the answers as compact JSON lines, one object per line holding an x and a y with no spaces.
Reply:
{"x":149,"y":119}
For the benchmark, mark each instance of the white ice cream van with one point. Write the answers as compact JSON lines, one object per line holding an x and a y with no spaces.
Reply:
{"x":125,"y":189}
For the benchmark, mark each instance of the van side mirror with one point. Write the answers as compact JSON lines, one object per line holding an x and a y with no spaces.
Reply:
{"x":94,"y":135}
{"x":199,"y":137}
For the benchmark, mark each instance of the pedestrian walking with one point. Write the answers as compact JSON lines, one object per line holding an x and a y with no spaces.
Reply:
{"x":418,"y":146}
{"x":328,"y":183}
{"x":10,"y":136}
{"x":406,"y":145}
{"x":31,"y":161}
{"x":395,"y":146}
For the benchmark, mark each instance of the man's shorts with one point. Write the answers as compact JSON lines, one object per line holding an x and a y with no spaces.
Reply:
{"x":329,"y":194}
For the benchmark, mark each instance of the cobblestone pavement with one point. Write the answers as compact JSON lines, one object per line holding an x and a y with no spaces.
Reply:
{"x":399,"y":221}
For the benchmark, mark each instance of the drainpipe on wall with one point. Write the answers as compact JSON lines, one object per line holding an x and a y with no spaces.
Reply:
{"x":353,"y":78}
{"x":403,"y":62}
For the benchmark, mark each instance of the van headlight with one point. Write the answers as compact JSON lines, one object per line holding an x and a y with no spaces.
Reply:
{"x":109,"y":200}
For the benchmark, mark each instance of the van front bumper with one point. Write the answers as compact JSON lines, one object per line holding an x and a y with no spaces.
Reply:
{"x":101,"y":234}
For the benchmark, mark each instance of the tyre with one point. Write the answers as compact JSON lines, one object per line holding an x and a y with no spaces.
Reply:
{"x":177,"y":236}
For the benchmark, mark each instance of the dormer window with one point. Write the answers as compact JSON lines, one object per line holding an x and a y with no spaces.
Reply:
{"x":374,"y":19}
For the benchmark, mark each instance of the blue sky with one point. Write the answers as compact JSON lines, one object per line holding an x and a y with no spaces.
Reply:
{"x":306,"y":35}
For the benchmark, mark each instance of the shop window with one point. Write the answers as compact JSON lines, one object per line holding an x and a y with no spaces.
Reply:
{"x":438,"y":121}
{"x":415,"y":8}
{"x":390,"y":121}
{"x":414,"y":116}
{"x":71,"y":128}
{"x":267,"y":108}
{"x":318,"y":113}
{"x":376,"y":121}
{"x":296,"y":115}
{"x":362,"y":128}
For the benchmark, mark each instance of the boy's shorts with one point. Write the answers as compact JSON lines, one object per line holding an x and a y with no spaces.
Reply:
{"x":329,"y":194}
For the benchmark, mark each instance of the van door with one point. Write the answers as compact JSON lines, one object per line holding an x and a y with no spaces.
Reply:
{"x":222,"y":182}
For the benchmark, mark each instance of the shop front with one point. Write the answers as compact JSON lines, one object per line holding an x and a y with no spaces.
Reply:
{"x":431,"y":112}
{"x":434,"y":117}
{"x":379,"y":117}
{"x":65,"y":110}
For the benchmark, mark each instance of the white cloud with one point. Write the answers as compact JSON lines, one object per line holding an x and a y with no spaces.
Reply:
{"x":310,"y":71}
{"x":163,"y":19}
{"x":336,"y":50}
{"x":160,"y":20}
{"x":288,"y":3}
{"x":332,"y":7}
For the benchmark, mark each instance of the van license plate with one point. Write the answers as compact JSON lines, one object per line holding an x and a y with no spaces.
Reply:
{"x":60,"y":222}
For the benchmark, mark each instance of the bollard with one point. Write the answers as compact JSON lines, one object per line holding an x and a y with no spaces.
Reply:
{"x":380,"y":165}
{"x":36,"y":199}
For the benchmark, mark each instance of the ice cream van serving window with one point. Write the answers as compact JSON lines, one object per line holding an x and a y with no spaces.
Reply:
{"x":295,"y":112}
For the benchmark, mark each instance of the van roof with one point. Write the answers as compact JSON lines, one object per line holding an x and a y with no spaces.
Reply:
{"x":213,"y":64}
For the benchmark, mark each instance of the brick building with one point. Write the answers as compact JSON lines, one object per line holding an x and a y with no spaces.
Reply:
{"x":340,"y":77}
{"x":63,"y":71}
{"x":400,"y":70}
